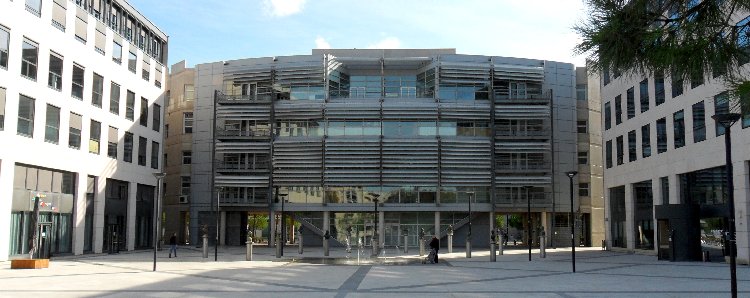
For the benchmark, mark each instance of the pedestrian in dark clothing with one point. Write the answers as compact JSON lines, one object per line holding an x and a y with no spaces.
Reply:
{"x":435,"y":245}
{"x":173,"y":245}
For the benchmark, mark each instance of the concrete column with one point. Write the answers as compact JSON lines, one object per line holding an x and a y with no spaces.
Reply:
{"x":100,"y":198}
{"x":79,"y":213}
{"x":630,"y":216}
{"x":658,"y":200}
{"x":326,"y":222}
{"x":437,"y":224}
{"x":6,"y":191}
{"x":742,"y":205}
{"x":223,"y":228}
{"x":381,"y":228}
{"x":132,"y":189}
{"x":674,"y":189}
{"x":492,"y":220}
{"x":545,"y":218}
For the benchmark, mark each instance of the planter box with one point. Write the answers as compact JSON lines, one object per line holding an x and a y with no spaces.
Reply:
{"x":29,"y":263}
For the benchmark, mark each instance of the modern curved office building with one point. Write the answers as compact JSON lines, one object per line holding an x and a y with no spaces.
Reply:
{"x":432,"y":138}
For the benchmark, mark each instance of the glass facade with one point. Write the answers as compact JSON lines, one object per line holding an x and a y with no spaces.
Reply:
{"x":644,"y":215}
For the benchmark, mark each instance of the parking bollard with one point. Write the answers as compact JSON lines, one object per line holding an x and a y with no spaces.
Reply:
{"x":542,"y":247}
{"x":325,"y":243}
{"x":450,"y":239}
{"x":421,"y":242}
{"x":249,"y":252}
{"x":468,"y":247}
{"x":493,"y":256}
{"x":205,"y":246}
{"x":299,"y":239}
{"x":278,"y":246}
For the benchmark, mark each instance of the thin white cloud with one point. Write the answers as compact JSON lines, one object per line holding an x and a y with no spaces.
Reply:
{"x":321,"y":43}
{"x":282,"y":8}
{"x":386,"y":43}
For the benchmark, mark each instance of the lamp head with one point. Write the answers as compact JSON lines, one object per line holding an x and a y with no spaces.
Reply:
{"x":159,"y":175}
{"x":571,"y":174}
{"x":727,"y":119}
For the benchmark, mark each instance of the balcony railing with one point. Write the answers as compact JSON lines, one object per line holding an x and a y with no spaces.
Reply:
{"x":525,"y":166}
{"x":222,"y":132}
{"x":250,"y":97}
{"x":242,"y":166}
{"x":537,"y":200}
{"x":521,"y":133}
{"x":241,"y":200}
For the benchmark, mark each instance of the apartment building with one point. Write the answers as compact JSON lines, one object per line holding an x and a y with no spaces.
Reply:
{"x":430,"y":138}
{"x":81,"y":125}
{"x":664,"y":177}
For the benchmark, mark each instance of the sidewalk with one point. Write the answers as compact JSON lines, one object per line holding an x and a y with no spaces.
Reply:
{"x":599,"y":274}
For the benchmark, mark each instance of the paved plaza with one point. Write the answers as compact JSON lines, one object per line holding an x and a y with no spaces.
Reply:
{"x":599,"y":274}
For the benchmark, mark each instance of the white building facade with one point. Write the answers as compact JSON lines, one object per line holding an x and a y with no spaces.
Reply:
{"x":664,"y":166}
{"x":80,"y":125}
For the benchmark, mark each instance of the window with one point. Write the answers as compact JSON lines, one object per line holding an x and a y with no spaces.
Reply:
{"x":143,"y":118}
{"x":677,"y":86}
{"x":166,"y":131}
{"x":609,"y":154}
{"x":607,"y":116}
{"x":659,"y":88}
{"x":664,"y":181}
{"x":97,"y":90}
{"x":116,"y":52}
{"x":52,"y":126}
{"x":154,"y":155}
{"x":699,"y":122}
{"x":145,"y":71}
{"x":696,"y":80}
{"x":77,"y":83}
{"x":744,"y":107}
{"x":581,"y":92}
{"x":34,"y":7}
{"x":679,"y":128}
{"x":583,"y":158}
{"x":2,"y":108}
{"x":583,"y":189}
{"x":157,"y":117}
{"x":184,"y":185}
{"x":620,"y":150}
{"x":95,"y":135}
{"x":142,"y":144}
{"x":646,"y":140}
{"x":74,"y":134}
{"x":112,"y":138}
{"x":157,"y":76}
{"x":54,"y":80}
{"x":58,"y":14}
{"x":25,"y":116}
{"x":618,"y":109}
{"x":81,"y":27}
{"x":632,"y":146}
{"x":187,"y":157}
{"x":132,"y":59}
{"x":100,"y":38}
{"x":605,"y":77}
{"x":187,"y":122}
{"x":721,"y":106}
{"x":661,"y":135}
{"x":582,"y":126}
{"x":644,"y":95}
{"x":114,"y":98}
{"x":128,"y":147}
{"x":4,"y":41}
{"x":130,"y":106}
{"x":743,"y":40}
{"x":189,"y":92}
{"x":29,"y":57}
{"x":630,"y":101}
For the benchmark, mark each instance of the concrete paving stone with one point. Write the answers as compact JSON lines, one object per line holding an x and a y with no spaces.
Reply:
{"x":599,"y":274}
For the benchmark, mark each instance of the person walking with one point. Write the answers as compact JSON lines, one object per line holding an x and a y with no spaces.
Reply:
{"x":173,"y":245}
{"x":435,"y":246}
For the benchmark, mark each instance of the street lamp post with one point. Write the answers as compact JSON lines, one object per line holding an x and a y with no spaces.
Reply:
{"x":726,"y":120}
{"x":528,"y":219}
{"x":157,"y":212}
{"x":468,"y":237}
{"x":572,"y":174}
{"x":216,"y":215}
{"x":282,"y":197}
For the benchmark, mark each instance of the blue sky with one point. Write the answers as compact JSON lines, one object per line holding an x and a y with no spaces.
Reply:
{"x":207,"y":31}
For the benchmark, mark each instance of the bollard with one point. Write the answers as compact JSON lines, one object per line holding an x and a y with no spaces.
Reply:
{"x":421,"y":247}
{"x":249,"y":252}
{"x":278,"y":246}
{"x":406,"y":243}
{"x":493,"y":257}
{"x":542,"y":247}
{"x":299,"y":240}
{"x":450,"y":239}
{"x":326,"y":236}
{"x":468,"y":248}
{"x":205,"y":246}
{"x":500,"y":248}
{"x":374,"y":247}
